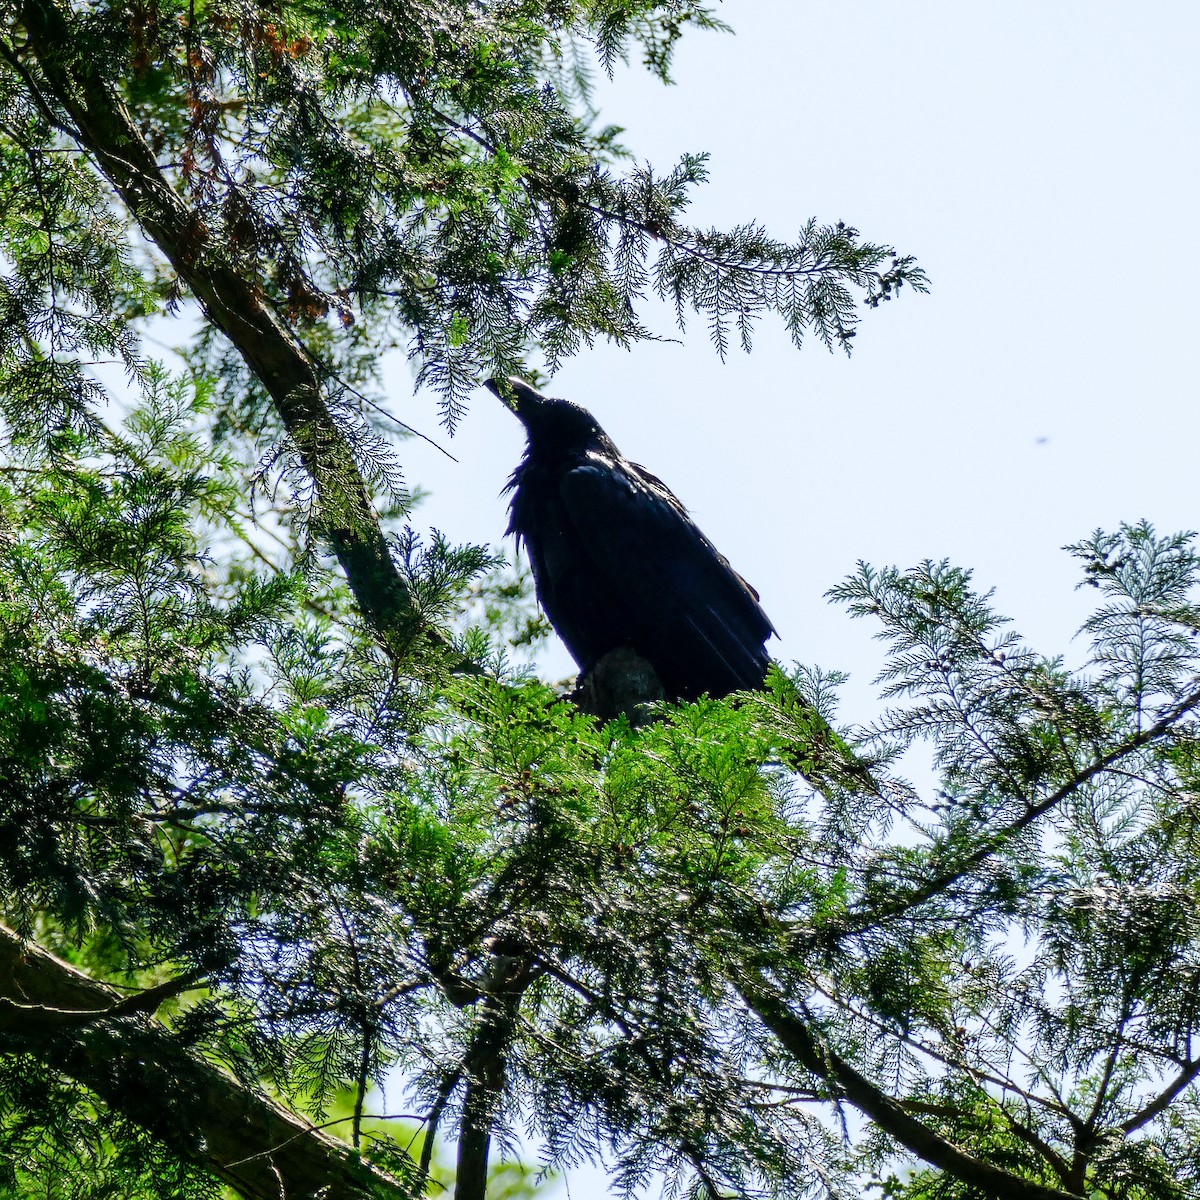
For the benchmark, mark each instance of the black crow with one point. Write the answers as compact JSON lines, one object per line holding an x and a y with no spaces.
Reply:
{"x":618,"y":563}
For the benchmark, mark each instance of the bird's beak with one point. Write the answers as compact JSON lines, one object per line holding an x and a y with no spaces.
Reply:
{"x":516,"y":393}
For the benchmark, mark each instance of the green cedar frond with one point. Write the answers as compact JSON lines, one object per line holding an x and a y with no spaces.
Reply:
{"x":375,"y":869}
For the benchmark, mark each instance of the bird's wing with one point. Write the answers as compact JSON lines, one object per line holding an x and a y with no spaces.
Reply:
{"x":681,"y":603}
{"x":657,"y":485}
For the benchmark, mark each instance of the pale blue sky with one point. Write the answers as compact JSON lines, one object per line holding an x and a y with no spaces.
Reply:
{"x":1039,"y":157}
{"x":1040,"y":160}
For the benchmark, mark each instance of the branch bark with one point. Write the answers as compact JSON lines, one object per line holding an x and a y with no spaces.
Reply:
{"x":237,"y":306}
{"x":797,"y":1036}
{"x":485,"y":1070}
{"x":135,"y":1065}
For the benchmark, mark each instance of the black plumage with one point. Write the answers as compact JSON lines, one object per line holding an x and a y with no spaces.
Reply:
{"x":618,"y":562}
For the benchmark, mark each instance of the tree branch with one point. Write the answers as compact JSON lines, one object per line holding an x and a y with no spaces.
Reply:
{"x":797,"y":1036}
{"x":136,"y":1066}
{"x":1163,"y":1100}
{"x":16,"y":1016}
{"x":485,"y":1069}
{"x":863,"y":918}
{"x":239,"y":308}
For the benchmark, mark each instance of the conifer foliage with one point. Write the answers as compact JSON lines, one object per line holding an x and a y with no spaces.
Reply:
{"x":307,"y":890}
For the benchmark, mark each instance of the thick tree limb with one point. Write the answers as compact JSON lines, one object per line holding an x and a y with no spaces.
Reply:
{"x":797,"y":1036}
{"x":26,"y":1017}
{"x":485,"y":1070}
{"x":238,"y":307}
{"x":134,"y":1064}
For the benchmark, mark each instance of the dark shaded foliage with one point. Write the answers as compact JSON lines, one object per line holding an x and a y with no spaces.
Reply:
{"x":257,"y":793}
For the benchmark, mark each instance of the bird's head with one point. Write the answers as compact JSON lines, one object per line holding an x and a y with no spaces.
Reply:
{"x":550,"y":424}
